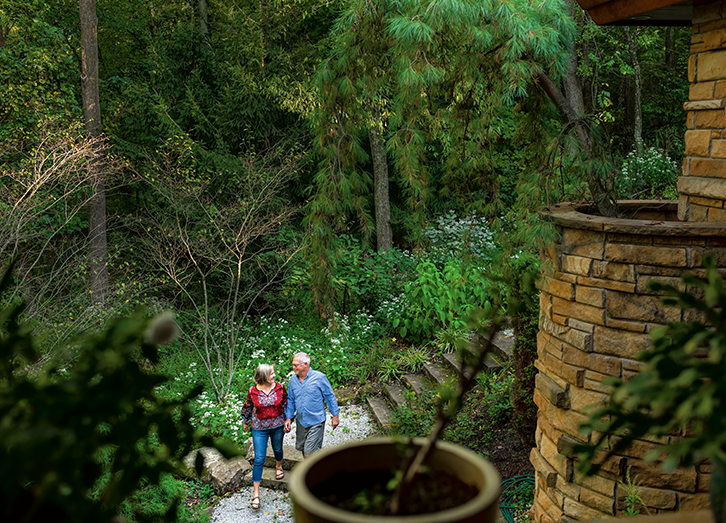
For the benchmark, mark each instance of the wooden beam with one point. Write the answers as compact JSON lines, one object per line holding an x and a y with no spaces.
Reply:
{"x":589,"y":4}
{"x":620,"y":9}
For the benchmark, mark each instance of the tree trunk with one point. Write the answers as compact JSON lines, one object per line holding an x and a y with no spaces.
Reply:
{"x":605,"y":205}
{"x":98,"y":246}
{"x":204,"y":26}
{"x":573,"y":88}
{"x":627,"y":99}
{"x":589,"y":99}
{"x":637,"y":104}
{"x":669,"y":53}
{"x":380,"y":181}
{"x":4,"y":31}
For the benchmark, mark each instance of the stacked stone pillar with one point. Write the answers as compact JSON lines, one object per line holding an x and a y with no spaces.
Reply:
{"x":596,"y":312}
{"x":596,"y":315}
{"x":703,"y":184}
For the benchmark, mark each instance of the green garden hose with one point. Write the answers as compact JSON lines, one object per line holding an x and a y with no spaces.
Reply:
{"x":517,"y":496}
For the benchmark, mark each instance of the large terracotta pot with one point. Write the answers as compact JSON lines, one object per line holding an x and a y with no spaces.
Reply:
{"x":381,"y":454}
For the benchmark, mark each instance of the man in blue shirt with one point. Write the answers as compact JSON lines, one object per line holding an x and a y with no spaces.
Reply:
{"x":307,"y":394}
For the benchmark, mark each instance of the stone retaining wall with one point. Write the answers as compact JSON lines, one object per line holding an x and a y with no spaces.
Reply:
{"x":596,"y":313}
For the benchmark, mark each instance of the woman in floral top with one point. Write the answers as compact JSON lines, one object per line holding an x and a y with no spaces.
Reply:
{"x":264,"y":410}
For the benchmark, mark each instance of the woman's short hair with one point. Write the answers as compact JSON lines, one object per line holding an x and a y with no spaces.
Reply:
{"x":302,"y":357}
{"x":262,"y":374}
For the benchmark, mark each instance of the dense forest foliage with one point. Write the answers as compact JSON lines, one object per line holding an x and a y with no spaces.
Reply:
{"x":350,"y":177}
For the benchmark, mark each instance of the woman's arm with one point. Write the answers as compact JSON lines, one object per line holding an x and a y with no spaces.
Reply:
{"x":248,"y":410}
{"x":283,"y":404}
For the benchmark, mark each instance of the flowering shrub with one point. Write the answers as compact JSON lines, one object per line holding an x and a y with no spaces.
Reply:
{"x":220,"y":419}
{"x":276,"y":341}
{"x":450,"y":280}
{"x":391,"y":308}
{"x":452,"y":237}
{"x":650,"y":175}
{"x":348,"y":336}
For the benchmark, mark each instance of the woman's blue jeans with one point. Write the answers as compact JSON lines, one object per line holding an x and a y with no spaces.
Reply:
{"x":259,"y":442}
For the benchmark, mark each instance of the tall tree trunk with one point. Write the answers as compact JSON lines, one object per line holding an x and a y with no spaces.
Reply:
{"x":203,"y":23}
{"x":637,"y":94}
{"x":380,"y":181}
{"x":589,"y":100}
{"x":573,"y":88}
{"x":605,"y":204}
{"x":627,"y":98}
{"x":98,"y":246}
{"x":669,"y":53}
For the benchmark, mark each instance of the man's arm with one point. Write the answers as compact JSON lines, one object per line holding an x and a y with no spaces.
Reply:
{"x":290,"y":409}
{"x":331,"y":401}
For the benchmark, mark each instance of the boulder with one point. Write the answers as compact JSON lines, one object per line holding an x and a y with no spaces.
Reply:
{"x":225,"y":475}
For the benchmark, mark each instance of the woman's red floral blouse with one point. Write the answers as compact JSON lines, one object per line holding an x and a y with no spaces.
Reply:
{"x":265,"y":411}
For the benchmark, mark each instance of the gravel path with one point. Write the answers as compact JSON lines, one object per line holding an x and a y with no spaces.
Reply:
{"x":355,"y":423}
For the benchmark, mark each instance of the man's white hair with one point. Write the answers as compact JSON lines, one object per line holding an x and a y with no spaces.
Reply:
{"x":302,"y":357}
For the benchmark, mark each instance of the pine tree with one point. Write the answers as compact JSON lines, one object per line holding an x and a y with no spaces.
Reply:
{"x":440,"y":71}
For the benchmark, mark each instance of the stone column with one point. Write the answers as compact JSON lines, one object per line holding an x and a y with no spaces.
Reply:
{"x":596,"y":315}
{"x":702,"y":187}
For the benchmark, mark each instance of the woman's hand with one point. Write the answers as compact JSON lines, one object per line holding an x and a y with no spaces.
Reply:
{"x":246,"y":427}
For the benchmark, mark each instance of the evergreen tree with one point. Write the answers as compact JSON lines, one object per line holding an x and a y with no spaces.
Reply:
{"x":447,"y":71}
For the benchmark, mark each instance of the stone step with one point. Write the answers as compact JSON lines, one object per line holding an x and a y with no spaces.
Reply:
{"x":490,"y":363}
{"x":417,"y":383}
{"x":437,"y":374}
{"x":291,"y":456}
{"x":268,"y":479}
{"x":380,"y":412}
{"x":502,"y":345}
{"x":395,"y":394}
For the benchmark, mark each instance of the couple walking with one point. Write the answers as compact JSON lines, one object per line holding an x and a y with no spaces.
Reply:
{"x":270,"y":410}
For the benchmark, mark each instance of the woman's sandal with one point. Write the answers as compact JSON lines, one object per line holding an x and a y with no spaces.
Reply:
{"x":255,"y":503}
{"x":279,"y":474}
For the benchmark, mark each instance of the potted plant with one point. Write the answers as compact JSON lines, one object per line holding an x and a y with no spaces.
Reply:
{"x":340,"y":474}
{"x":681,"y":389}
{"x":403,"y":480}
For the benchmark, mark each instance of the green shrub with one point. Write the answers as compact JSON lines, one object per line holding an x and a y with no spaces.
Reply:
{"x":364,"y":279}
{"x":155,"y":499}
{"x":497,"y":388}
{"x":366,"y":365}
{"x":414,"y":358}
{"x":515,"y":279}
{"x":416,"y":417}
{"x":451,"y":339}
{"x":650,"y":175}
{"x":391,"y":368}
{"x":442,"y":298}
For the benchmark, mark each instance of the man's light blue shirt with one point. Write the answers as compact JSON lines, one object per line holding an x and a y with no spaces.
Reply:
{"x":305,"y":400}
